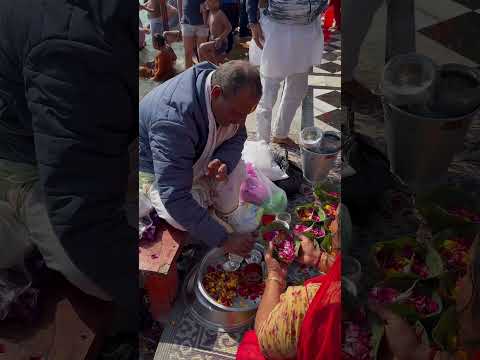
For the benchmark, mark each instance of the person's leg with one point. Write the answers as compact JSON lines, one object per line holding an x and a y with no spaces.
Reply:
{"x":172,"y":36}
{"x":400,"y":33}
{"x":156,"y":26}
{"x":265,"y":107}
{"x":244,"y":30}
{"x":201,"y":35}
{"x":206,"y":52}
{"x":294,"y":91}
{"x":232,"y":11}
{"x":189,"y":45}
{"x":355,"y":28}
{"x":337,"y":8}
{"x":188,"y":35}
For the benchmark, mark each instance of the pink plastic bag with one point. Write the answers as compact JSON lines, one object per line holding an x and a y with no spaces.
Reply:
{"x":253,"y":190}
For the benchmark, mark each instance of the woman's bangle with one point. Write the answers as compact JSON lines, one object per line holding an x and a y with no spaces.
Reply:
{"x":274,"y":278}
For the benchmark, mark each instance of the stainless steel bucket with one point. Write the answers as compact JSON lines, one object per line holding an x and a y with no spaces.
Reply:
{"x":420,"y":149}
{"x":317,"y":164}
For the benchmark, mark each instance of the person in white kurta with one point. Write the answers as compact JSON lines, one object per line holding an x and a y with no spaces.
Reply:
{"x":291,"y":38}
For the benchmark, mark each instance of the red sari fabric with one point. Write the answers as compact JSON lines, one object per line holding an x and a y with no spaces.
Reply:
{"x":320,"y":334}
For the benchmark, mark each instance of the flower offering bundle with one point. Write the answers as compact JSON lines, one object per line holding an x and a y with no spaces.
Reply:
{"x":449,"y":207}
{"x":284,"y":246}
{"x":406,"y":258}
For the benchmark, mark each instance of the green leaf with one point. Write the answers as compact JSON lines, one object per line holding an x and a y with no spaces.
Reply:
{"x":435,"y":205}
{"x":434,"y":262}
{"x":445,"y":331}
{"x":298,"y":245}
{"x":432,"y":258}
{"x":318,"y":209}
{"x":421,"y":331}
{"x":321,"y":194}
{"x":378,"y":329}
{"x":326,"y":243}
{"x":468,"y":232}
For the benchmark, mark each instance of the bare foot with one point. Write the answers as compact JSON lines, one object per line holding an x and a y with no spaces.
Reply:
{"x":285,"y":141}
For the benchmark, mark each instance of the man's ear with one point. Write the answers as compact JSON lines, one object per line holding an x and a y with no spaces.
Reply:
{"x":216,"y":91}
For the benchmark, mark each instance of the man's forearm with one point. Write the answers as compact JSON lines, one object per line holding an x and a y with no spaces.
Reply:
{"x":197,"y":221}
{"x":180,"y":9}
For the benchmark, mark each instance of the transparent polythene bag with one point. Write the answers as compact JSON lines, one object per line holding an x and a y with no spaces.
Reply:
{"x":246,"y":218}
{"x":264,"y":193}
{"x":259,"y":154}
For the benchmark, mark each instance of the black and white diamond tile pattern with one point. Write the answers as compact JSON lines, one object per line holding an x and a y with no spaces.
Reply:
{"x":453,"y":25}
{"x":471,"y":4}
{"x":325,"y":84}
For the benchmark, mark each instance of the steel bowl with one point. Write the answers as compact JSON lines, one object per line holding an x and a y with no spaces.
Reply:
{"x":206,"y":310}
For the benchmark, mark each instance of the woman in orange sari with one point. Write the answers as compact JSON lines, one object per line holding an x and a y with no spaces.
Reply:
{"x":402,"y":339}
{"x":299,"y":322}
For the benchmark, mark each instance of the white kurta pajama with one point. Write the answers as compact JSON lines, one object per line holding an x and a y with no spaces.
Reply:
{"x":289,"y":51}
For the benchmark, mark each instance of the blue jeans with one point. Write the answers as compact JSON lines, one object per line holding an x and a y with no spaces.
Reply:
{"x":243,"y":18}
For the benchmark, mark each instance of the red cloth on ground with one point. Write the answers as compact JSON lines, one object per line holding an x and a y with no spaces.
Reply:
{"x":249,"y":349}
{"x":320,"y":334}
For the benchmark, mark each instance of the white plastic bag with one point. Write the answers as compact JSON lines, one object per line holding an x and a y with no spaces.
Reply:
{"x":258,"y":153}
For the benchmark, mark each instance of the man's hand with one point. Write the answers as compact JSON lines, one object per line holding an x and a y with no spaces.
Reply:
{"x":217,"y":170}
{"x":257,"y":34}
{"x":239,"y":244}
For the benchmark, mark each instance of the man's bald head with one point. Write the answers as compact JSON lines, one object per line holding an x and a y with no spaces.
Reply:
{"x":237,"y":75}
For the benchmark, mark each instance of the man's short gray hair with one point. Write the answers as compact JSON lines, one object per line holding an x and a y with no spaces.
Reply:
{"x":236,"y":75}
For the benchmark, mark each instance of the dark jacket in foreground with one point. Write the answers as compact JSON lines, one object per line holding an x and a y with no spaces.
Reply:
{"x":68,"y":104}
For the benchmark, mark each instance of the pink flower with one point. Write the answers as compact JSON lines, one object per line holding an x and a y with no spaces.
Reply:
{"x":300,"y":229}
{"x":424,"y":305}
{"x":316,"y":230}
{"x":383,"y":295}
{"x":465,"y":214}
{"x":356,"y":341}
{"x":286,"y":251}
{"x":270,"y":235}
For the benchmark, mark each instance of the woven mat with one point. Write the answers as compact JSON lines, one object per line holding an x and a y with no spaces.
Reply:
{"x":185,"y":339}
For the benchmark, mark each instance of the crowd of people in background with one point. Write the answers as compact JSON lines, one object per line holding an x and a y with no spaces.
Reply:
{"x":206,"y":28}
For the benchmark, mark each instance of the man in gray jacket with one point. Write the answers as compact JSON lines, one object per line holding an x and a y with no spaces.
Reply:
{"x":192,"y":132}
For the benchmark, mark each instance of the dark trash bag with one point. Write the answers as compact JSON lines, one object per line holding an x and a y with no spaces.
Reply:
{"x":362,"y":192}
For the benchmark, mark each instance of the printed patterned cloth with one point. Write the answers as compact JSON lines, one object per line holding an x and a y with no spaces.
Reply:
{"x":278,"y":336}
